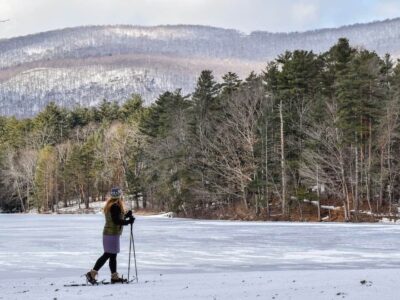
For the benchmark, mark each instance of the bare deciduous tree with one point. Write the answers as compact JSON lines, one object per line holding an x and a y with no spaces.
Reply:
{"x":231,"y":153}
{"x":325,"y":163}
{"x":19,"y":173}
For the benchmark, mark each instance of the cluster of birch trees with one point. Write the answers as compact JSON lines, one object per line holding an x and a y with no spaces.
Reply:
{"x":318,"y":127}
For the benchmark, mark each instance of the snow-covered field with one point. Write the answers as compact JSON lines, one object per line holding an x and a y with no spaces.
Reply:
{"x":191,"y":259}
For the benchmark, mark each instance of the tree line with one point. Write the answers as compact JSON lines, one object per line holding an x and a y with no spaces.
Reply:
{"x":318,"y":127}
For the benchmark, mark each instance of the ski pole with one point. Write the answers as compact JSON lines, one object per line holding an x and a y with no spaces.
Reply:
{"x":134,"y":254}
{"x":130,"y":246}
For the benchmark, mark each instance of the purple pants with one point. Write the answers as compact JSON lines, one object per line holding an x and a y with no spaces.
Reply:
{"x":111,"y":244}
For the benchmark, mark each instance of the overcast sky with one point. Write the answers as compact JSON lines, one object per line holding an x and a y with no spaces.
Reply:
{"x":31,"y":16}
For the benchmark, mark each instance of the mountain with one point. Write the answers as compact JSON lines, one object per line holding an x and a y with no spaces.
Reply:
{"x":84,"y":65}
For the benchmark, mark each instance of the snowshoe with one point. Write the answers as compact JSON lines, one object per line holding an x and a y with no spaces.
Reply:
{"x":116,"y":279}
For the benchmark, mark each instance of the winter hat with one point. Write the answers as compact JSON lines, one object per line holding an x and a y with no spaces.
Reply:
{"x":116,"y":193}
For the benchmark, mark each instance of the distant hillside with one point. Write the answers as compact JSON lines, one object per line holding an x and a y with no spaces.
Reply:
{"x":83,"y":65}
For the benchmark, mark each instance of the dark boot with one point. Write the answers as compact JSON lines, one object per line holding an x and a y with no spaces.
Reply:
{"x":116,"y":279}
{"x":91,"y":276}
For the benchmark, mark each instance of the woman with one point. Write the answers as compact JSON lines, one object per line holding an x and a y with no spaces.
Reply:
{"x":116,"y":217}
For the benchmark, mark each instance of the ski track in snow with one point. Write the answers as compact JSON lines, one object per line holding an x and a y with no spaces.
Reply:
{"x":195,"y":259}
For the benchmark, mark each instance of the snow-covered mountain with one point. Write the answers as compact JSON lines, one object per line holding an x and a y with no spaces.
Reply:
{"x":84,"y":65}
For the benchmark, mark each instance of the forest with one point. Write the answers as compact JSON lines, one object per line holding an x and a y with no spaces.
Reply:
{"x":312,"y":137}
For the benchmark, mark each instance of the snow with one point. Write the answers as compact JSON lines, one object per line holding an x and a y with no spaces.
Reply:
{"x":155,"y":33}
{"x":196,"y":259}
{"x":163,"y":215}
{"x":328,"y":207}
{"x":84,"y":65}
{"x":389,"y":221}
{"x":94,"y":207}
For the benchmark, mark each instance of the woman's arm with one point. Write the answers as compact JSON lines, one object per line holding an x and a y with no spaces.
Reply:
{"x":115,"y":211}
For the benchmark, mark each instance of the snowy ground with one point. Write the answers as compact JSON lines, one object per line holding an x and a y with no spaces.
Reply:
{"x":94,"y":207}
{"x":189,"y":259}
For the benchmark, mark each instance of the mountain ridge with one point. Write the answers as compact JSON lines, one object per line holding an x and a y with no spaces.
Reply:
{"x":205,"y":26}
{"x":83,"y":65}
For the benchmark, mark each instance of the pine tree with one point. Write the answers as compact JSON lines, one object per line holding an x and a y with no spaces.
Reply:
{"x":132,"y":108}
{"x":231,"y":82}
{"x":52,"y":124}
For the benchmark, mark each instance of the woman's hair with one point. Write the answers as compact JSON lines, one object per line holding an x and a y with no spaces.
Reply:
{"x":110,"y":201}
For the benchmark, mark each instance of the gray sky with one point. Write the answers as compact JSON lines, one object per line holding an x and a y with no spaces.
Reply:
{"x":31,"y":16}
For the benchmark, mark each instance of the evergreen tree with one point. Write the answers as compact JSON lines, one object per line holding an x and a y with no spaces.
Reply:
{"x":231,"y":82}
{"x":52,"y":124}
{"x":132,"y":108}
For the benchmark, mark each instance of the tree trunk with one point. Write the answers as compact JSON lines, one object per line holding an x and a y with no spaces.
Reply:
{"x":368,"y":179}
{"x":344,"y":187}
{"x":258,"y":196}
{"x":27,"y":207}
{"x":244,"y":195}
{"x":20,"y":197}
{"x":47,"y":194}
{"x":283,"y":167}
{"x":389,"y":163}
{"x":266,"y":170}
{"x":356,"y":203}
{"x":318,"y":196}
{"x":380,"y":201}
{"x":64,"y":194}
{"x":87,"y":195}
{"x":144,"y":200}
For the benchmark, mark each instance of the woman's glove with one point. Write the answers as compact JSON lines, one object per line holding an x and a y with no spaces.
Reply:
{"x":128,"y":214}
{"x":131,"y":219}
